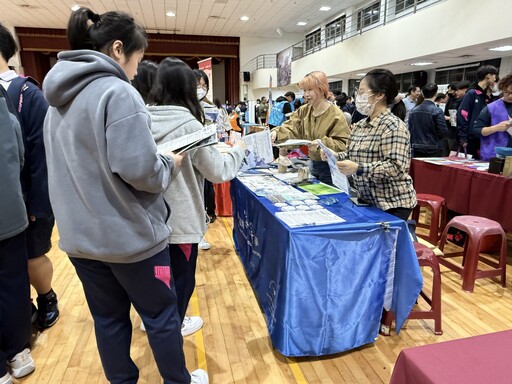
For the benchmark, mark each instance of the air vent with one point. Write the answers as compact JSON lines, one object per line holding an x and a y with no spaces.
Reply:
{"x":216,"y":17}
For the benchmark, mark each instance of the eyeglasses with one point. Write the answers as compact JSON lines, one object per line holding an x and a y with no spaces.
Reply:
{"x":359,"y":92}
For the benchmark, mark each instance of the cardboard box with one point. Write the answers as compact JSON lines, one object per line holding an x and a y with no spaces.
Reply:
{"x":507,"y":167}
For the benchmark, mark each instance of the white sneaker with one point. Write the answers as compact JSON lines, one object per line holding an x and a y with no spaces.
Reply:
{"x":142,"y":326}
{"x":204,"y":245}
{"x":22,"y":364}
{"x":7,"y":379}
{"x":199,"y":376}
{"x":191,"y":324}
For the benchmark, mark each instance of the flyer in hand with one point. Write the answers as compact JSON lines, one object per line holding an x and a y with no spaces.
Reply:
{"x":197,"y":139}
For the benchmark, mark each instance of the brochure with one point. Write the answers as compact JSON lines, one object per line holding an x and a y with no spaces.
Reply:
{"x":258,"y":151}
{"x":205,"y":136}
{"x":293,"y":143}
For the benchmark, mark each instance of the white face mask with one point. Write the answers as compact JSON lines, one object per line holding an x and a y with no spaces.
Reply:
{"x":494,"y":88}
{"x":201,"y":93}
{"x":363,"y":106}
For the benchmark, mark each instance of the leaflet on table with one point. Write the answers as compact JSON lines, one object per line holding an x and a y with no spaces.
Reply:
{"x":205,"y":136}
{"x":338,"y":178}
{"x":293,"y":143}
{"x":310,"y":218}
{"x":268,"y":185}
{"x":258,"y":151}
{"x":319,"y":189}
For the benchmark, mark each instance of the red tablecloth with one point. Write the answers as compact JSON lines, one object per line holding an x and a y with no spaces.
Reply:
{"x":474,"y":360}
{"x":466,"y":190}
{"x":223,"y":199}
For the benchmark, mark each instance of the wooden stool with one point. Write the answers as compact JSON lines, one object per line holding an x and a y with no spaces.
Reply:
{"x":437,"y":206}
{"x":482,"y":235}
{"x":426,"y":258}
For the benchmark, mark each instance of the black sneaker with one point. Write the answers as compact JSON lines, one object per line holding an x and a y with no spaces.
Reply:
{"x":47,"y":310}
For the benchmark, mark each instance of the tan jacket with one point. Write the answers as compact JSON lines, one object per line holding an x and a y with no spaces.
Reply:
{"x":331,"y":127}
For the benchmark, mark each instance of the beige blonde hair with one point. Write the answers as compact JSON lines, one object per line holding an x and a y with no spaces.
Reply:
{"x":315,"y":80}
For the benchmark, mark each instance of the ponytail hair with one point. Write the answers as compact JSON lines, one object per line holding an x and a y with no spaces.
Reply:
{"x":88,"y":30}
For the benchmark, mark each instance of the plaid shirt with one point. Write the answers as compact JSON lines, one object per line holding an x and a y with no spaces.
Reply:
{"x":381,"y":147}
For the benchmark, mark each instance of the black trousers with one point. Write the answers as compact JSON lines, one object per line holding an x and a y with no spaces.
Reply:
{"x":110,"y":290}
{"x":15,"y":312}
{"x":184,"y":274}
{"x":209,"y":198}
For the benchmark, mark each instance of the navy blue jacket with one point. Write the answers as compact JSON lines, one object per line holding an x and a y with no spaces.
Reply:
{"x":427,"y":126}
{"x":472,"y":104}
{"x":32,"y":107}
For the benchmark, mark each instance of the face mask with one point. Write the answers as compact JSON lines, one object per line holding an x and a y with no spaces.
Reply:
{"x":363,"y":106}
{"x":201,"y":93}
{"x":494,"y":88}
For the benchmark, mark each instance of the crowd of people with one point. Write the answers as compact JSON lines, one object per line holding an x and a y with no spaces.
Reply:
{"x":132,"y":216}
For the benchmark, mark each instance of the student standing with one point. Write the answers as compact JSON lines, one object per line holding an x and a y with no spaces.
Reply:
{"x":31,"y":107}
{"x":178,"y":112}
{"x":15,"y":329}
{"x":106,"y":182}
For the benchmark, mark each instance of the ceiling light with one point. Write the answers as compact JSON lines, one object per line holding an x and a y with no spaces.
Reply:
{"x":502,"y":48}
{"x":75,"y":7}
{"x":360,"y":74}
{"x":325,"y":9}
{"x":301,"y":23}
{"x":244,"y":18}
{"x":421,"y":63}
{"x":170,"y":14}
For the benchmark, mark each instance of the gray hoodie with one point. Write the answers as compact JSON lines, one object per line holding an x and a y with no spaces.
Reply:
{"x":13,"y":215}
{"x":185,"y":194}
{"x":104,"y":174}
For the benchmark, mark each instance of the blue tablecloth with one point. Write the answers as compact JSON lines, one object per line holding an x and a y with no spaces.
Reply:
{"x":322,"y":288}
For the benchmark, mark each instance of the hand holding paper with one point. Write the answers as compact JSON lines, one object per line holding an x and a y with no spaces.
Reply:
{"x":338,"y":179}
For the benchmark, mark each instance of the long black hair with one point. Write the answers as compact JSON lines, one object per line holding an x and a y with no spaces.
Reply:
{"x":88,"y":30}
{"x":383,"y":81}
{"x":143,"y":81}
{"x":176,"y":84}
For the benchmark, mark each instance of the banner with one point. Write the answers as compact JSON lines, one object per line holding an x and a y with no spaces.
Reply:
{"x":207,"y":67}
{"x":284,"y":67}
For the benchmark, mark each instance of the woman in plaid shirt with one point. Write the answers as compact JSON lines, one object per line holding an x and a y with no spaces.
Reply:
{"x":378,"y":153}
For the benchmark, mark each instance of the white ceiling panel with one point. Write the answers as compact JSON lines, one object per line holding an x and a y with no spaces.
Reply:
{"x":196,"y":17}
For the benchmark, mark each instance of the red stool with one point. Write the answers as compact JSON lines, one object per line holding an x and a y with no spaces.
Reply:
{"x":437,"y":206}
{"x":426,"y":258}
{"x":482,"y":235}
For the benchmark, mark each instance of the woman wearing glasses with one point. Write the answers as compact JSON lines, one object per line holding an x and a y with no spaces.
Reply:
{"x":378,"y":153}
{"x":318,"y":119}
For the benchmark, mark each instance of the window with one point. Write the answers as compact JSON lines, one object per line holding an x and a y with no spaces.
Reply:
{"x":404,"y":81}
{"x":464,"y":71}
{"x":368,"y":16}
{"x":353,"y":84}
{"x":402,"y":5}
{"x":336,"y":85}
{"x":335,"y":28}
{"x":313,"y":40}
